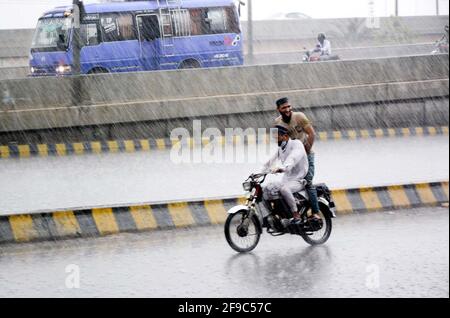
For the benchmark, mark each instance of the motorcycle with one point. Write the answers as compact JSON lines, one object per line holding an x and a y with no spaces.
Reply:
{"x":316,"y":56}
{"x":244,"y":224}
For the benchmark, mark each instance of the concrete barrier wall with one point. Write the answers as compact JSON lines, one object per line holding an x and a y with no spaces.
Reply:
{"x":170,"y":85}
{"x":101,"y":221}
{"x":376,"y":115}
{"x":15,"y":43}
{"x":13,"y":72}
{"x":228,"y":97}
{"x":214,"y":106}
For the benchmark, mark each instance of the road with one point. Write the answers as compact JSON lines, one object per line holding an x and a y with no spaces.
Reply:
{"x":383,"y":254}
{"x":351,"y":53}
{"x":34,"y":184}
{"x":14,"y":72}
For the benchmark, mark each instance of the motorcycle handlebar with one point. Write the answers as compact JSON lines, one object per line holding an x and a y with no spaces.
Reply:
{"x":255,"y":176}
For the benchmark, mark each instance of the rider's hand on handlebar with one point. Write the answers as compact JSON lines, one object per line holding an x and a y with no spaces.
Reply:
{"x":276,"y":170}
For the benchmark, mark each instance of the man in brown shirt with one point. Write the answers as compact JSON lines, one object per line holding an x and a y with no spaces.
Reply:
{"x":299,"y":127}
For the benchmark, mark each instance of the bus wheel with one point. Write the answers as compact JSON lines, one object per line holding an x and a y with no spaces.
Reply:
{"x":189,"y":64}
{"x":98,"y":70}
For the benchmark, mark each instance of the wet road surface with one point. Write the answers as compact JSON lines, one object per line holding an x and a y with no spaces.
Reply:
{"x":34,"y":184}
{"x":352,"y":53}
{"x":382,"y":254}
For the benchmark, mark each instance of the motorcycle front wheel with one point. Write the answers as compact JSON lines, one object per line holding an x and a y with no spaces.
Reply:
{"x":242,"y":233}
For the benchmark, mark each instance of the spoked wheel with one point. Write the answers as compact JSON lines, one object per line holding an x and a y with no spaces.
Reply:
{"x":316,"y":233}
{"x":241,"y":232}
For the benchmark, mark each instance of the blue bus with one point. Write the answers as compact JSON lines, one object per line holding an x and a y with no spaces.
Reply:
{"x":139,"y":36}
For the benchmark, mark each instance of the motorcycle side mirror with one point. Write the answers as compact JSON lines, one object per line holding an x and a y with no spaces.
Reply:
{"x":241,"y":3}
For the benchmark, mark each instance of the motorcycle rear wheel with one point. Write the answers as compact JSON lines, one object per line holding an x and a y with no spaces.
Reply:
{"x":240,"y":237}
{"x":322,"y":235}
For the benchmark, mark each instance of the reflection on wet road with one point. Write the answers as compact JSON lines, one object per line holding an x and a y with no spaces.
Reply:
{"x":384,"y":254}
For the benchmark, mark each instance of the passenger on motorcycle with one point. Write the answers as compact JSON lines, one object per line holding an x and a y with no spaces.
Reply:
{"x":299,"y":127}
{"x":292,"y":156}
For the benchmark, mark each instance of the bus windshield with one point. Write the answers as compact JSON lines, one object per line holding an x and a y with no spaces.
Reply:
{"x":48,"y":31}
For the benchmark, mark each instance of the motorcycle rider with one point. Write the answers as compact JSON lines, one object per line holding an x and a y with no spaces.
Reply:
{"x":323,"y":45}
{"x":294,"y":166}
{"x":441,"y":46}
{"x":299,"y":127}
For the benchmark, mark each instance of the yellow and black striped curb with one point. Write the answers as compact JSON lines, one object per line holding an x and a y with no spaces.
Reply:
{"x":114,"y":146}
{"x":104,"y":221}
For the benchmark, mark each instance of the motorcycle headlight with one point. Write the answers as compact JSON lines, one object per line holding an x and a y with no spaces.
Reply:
{"x":32,"y":69}
{"x":247,"y":186}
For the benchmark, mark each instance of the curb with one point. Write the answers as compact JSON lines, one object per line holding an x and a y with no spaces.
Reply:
{"x":116,"y":146}
{"x":55,"y":225}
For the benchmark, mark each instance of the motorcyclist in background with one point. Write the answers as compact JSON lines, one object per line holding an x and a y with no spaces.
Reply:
{"x":441,"y":46}
{"x":445,"y":36}
{"x":323,"y":45}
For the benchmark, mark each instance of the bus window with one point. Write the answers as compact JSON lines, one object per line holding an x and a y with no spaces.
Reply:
{"x":89,"y":34}
{"x":166,"y":25}
{"x":180,"y":20}
{"x":117,"y":27}
{"x":233,"y":21}
{"x":196,"y":21}
{"x":126,"y":27}
{"x":109,"y":28}
{"x":216,"y":20}
{"x":213,"y":21}
{"x":148,"y":27}
{"x":49,"y":31}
